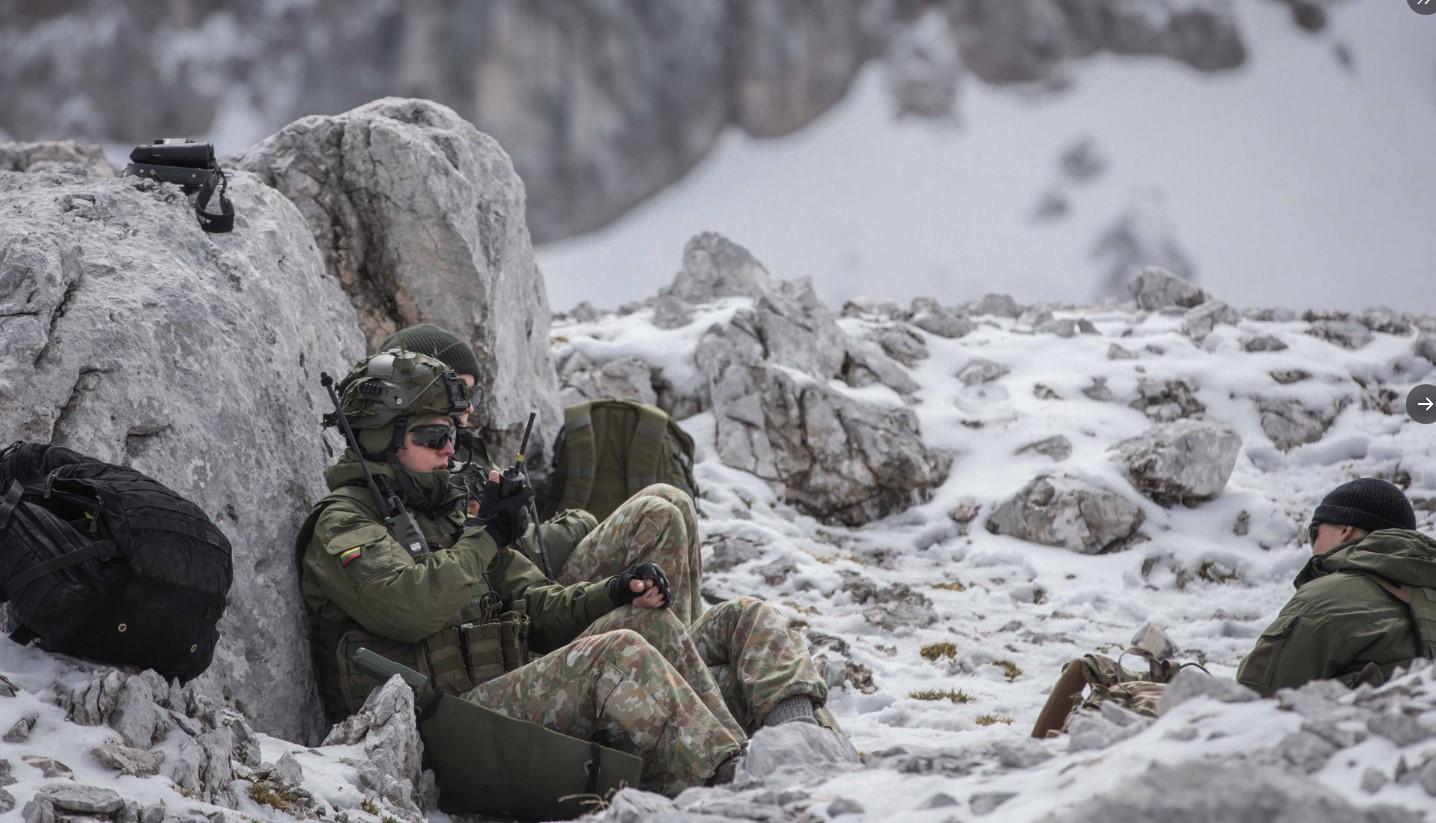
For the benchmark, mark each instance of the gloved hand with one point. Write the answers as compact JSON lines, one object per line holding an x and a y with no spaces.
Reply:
{"x":623,"y":593}
{"x":501,"y":517}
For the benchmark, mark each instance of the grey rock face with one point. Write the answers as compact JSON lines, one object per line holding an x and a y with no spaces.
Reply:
{"x":1189,"y":461}
{"x":1204,"y":791}
{"x":136,"y":762}
{"x":419,"y":216}
{"x":61,"y":157}
{"x":74,"y":797}
{"x":111,"y":298}
{"x":1155,"y":288}
{"x":205,"y":767}
{"x":931,"y":317}
{"x":901,"y":344}
{"x":1347,"y":334}
{"x":1290,"y":424}
{"x":20,"y":732}
{"x":1166,"y":400}
{"x":136,"y":716}
{"x":627,"y":378}
{"x":1071,"y":512}
{"x":714,"y":267}
{"x":867,"y":365}
{"x":386,"y":728}
{"x":1191,"y":683}
{"x":1264,"y":342}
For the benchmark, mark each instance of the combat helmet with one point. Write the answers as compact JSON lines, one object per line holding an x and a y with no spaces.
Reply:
{"x":383,"y":393}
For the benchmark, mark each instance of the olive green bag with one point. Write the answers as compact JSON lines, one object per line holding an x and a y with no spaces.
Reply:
{"x":609,"y":449}
{"x":489,"y":763}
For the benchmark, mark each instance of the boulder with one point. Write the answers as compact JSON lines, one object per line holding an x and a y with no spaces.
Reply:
{"x":867,"y":364}
{"x":1190,"y":683}
{"x":77,"y":798}
{"x":789,"y":746}
{"x":1201,"y":791}
{"x":1166,"y":400}
{"x":900,"y":343}
{"x":393,"y":753}
{"x":126,"y":760}
{"x":931,"y":317}
{"x":1263,"y":342}
{"x":61,"y":157}
{"x":979,"y":371}
{"x":1289,"y":423}
{"x":1057,"y":447}
{"x":1068,"y":511}
{"x":1188,"y":462}
{"x":1199,"y":321}
{"x":1156,"y":288}
{"x":1348,"y":334}
{"x":997,"y":305}
{"x":129,"y":334}
{"x":205,"y":767}
{"x":419,"y":216}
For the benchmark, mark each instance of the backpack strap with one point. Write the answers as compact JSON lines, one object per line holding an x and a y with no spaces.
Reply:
{"x":579,"y":453}
{"x":1422,"y":603}
{"x":645,"y":451}
{"x":101,"y":550}
{"x":7,"y":505}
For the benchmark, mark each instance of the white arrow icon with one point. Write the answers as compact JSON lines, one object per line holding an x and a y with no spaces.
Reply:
{"x":1425,"y":404}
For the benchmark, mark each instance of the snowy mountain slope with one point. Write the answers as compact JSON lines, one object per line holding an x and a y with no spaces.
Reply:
{"x":1292,"y":181}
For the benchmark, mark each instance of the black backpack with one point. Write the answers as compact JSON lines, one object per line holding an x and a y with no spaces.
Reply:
{"x":102,"y":562}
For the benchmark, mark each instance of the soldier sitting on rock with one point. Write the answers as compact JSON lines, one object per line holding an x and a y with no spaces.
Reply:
{"x":617,"y":666}
{"x":1365,"y":602}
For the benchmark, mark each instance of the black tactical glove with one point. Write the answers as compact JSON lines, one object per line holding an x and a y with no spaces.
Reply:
{"x":623,"y":594}
{"x":502,"y":517}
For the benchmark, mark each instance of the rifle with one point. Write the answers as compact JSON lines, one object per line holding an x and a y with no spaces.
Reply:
{"x":514,"y":478}
{"x":398,"y":520}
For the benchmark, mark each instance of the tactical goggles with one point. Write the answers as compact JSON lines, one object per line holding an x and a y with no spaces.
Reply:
{"x":434,"y":435}
{"x":1311,"y":531}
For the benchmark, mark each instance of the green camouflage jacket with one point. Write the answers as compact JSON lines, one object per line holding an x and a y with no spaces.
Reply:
{"x":355,"y":575}
{"x":1340,"y":619}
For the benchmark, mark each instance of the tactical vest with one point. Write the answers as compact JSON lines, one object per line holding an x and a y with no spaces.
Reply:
{"x":1421,"y":605}
{"x":455,"y":659}
{"x":608,"y":450}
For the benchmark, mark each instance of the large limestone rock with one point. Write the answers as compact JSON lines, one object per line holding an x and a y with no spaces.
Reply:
{"x":420,"y":216}
{"x":129,"y":334}
{"x":393,"y":752}
{"x":767,"y":374}
{"x":1188,"y":461}
{"x":1067,"y":511}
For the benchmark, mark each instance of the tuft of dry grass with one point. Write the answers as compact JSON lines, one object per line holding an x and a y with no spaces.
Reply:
{"x":950,"y":585}
{"x":1009,"y":669}
{"x":992,"y":719}
{"x":937,"y":651}
{"x":950,"y":695}
{"x":275,"y":796}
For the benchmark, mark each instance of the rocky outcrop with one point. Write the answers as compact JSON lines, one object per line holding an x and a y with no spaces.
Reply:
{"x":1289,"y":423}
{"x":62,"y":157}
{"x":1067,"y":511}
{"x":602,"y":104}
{"x":418,"y":215}
{"x":1155,"y":288}
{"x":1186,"y":462}
{"x":386,"y":729}
{"x":129,"y":334}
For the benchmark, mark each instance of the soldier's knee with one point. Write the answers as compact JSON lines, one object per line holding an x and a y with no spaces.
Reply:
{"x":619,"y":641}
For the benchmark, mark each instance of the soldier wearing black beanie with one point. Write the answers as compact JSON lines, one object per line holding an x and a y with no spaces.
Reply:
{"x":1369,"y":504}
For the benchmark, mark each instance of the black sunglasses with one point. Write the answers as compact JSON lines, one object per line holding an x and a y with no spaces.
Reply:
{"x":434,"y":436}
{"x":1311,"y":531}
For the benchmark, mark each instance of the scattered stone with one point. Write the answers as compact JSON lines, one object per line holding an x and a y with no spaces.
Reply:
{"x":1021,"y":753}
{"x":393,"y":753}
{"x":932,"y":318}
{"x":289,"y":770}
{"x":1187,"y":462}
{"x":901,"y":344}
{"x":1400,"y":728}
{"x":980,"y":371}
{"x":1425,"y":347}
{"x":1166,"y":400}
{"x":7,"y":778}
{"x":1116,"y":352}
{"x":8,"y":688}
{"x":1082,"y":161}
{"x":1201,"y":320}
{"x":1065,"y":326}
{"x":1243,"y":524}
{"x":1426,"y":775}
{"x":77,"y":797}
{"x":773,"y":749}
{"x":898,"y":606}
{"x":1306,"y":751}
{"x":48,"y":767}
{"x":20,"y":732}
{"x":1057,"y":447}
{"x":1191,"y":682}
{"x":1290,"y":424}
{"x":1089,"y":731}
{"x":1270,"y":315}
{"x":1373,"y":780}
{"x":1155,"y":288}
{"x":983,"y":803}
{"x":1098,"y":390}
{"x":7,"y":801}
{"x":1385,"y":321}
{"x":965,"y":511}
{"x":731,"y":551}
{"x":1265,"y":342}
{"x":866,"y":365}
{"x":997,"y":305}
{"x":1052,"y":205}
{"x":1068,"y":511}
{"x":136,"y":716}
{"x":1347,"y":334}
{"x":1042,"y":391}
{"x":777,"y":572}
{"x":126,"y":760}
{"x":845,"y":805}
{"x":941,"y":800}
{"x":1288,"y":376}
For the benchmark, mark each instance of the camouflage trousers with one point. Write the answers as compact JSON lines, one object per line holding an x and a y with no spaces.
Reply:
{"x":657,"y":525}
{"x":741,"y":657}
{"x":616,"y":688}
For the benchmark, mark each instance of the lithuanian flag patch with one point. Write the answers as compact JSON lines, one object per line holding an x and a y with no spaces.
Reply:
{"x":350,"y":555}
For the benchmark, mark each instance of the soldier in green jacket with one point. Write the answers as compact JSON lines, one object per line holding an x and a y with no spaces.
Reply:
{"x":451,"y":597}
{"x":662,"y":518}
{"x":1365,"y":602}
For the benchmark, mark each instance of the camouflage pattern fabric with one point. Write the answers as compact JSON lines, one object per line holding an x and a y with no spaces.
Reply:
{"x":1108,"y":681}
{"x":657,"y":525}
{"x":616,"y":687}
{"x":742,"y":657}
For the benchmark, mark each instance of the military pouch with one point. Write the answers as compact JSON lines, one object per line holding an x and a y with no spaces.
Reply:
{"x":514,"y":636}
{"x":355,"y":684}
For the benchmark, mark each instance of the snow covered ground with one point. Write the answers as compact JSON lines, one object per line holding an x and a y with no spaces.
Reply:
{"x":1291,"y":181}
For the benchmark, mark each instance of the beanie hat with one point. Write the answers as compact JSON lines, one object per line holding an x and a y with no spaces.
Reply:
{"x":1367,"y":503}
{"x":426,"y":338}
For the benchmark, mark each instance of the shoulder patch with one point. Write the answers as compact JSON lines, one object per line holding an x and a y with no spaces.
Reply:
{"x":348,"y":544}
